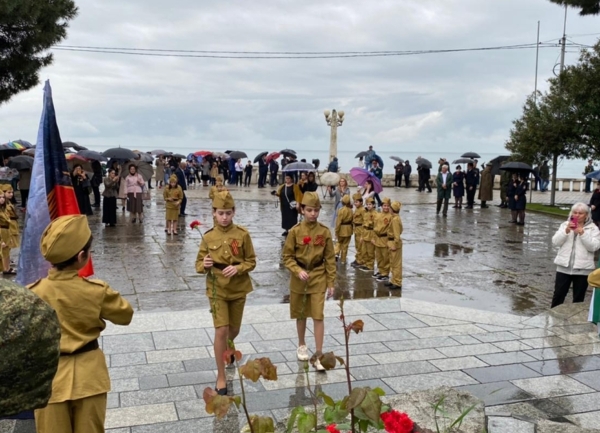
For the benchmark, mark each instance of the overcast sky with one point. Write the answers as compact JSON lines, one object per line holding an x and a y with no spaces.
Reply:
{"x":462,"y":101}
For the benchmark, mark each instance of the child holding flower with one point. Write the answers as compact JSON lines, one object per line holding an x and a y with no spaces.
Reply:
{"x":173,"y":195}
{"x":227,"y":256}
{"x":309,"y":256}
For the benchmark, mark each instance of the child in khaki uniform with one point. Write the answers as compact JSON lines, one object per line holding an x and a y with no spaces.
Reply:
{"x":5,"y":240}
{"x":382,"y":222}
{"x":343,"y":227}
{"x":308,"y":254}
{"x":367,"y":247}
{"x":357,"y":225}
{"x":78,"y":402}
{"x":173,"y":195}
{"x":227,"y":256}
{"x":394,"y":242}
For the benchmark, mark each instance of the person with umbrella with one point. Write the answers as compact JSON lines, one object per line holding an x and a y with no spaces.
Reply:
{"x":399,"y":174}
{"x":263,"y":170}
{"x":444,"y":183}
{"x":273,"y":170}
{"x":458,"y":186}
{"x":587,"y":170}
{"x":471,"y":182}
{"x":378,"y":172}
{"x":369,"y":156}
{"x":504,"y":184}
{"x":180,"y":173}
{"x":134,"y":184}
{"x":424,"y":177}
{"x":407,"y":171}
{"x":290,"y":196}
{"x":96,"y":181}
{"x":521,"y":197}
{"x":160,"y":171}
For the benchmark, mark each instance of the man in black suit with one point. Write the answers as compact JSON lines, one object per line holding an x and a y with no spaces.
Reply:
{"x":180,"y":173}
{"x":471,"y":181}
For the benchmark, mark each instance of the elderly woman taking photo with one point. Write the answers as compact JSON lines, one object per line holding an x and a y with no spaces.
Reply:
{"x":577,"y":239}
{"x":134,"y":184}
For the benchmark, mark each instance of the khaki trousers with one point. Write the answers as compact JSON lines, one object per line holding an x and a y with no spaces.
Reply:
{"x":358,"y":232}
{"x":382,"y":255}
{"x":85,"y":415}
{"x":396,"y":267}
{"x":344,"y":243}
{"x":369,"y":254}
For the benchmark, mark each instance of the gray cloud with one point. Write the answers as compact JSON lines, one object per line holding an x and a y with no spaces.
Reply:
{"x":433,"y":101}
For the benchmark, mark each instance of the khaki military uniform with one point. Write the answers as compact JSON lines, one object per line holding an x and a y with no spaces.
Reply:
{"x":368,"y":249}
{"x":78,"y":401}
{"x":13,"y":226}
{"x":5,"y":231}
{"x":382,"y":222}
{"x":215,"y":189}
{"x":172,"y":207}
{"x":309,"y":248}
{"x":357,"y":224}
{"x":343,"y":230}
{"x":394,"y":242}
{"x":227,"y":246}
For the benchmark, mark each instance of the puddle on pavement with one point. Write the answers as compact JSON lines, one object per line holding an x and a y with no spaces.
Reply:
{"x":422,"y":249}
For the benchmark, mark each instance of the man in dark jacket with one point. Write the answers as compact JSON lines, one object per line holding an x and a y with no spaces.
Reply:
{"x":263,"y":170}
{"x":273,"y":169}
{"x":407,"y":172}
{"x":399,"y":172}
{"x":545,"y":176}
{"x":471,"y":181}
{"x":180,"y":173}
{"x":333,"y":165}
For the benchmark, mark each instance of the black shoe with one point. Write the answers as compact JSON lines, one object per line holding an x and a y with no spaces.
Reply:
{"x":221,"y":391}
{"x":388,"y":284}
{"x":382,"y":278}
{"x":377,"y":275}
{"x":484,"y":206}
{"x":468,"y":207}
{"x":520,"y":224}
{"x":284,"y":234}
{"x":394,"y":287}
{"x":512,"y":221}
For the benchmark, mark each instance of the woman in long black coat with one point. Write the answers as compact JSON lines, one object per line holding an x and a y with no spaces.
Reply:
{"x":511,"y":192}
{"x":290,"y":197}
{"x":458,"y":187}
{"x":82,"y":187}
{"x":521,"y":198}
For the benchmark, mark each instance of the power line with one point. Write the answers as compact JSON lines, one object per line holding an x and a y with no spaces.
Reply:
{"x":282,"y":54}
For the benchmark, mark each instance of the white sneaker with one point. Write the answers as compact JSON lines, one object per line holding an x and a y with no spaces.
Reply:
{"x":318,"y":365}
{"x":302,"y":353}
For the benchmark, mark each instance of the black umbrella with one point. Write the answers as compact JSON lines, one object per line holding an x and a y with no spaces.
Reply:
{"x":92,"y":154}
{"x":73,"y":145}
{"x":463,"y":161}
{"x":144,"y":157}
{"x":361,"y":154}
{"x":395,"y":158}
{"x":238,"y":155}
{"x":260,"y":156}
{"x":21,"y":162}
{"x":517,"y":166}
{"x":424,"y":162}
{"x":497,"y":163}
{"x":470,"y":155}
{"x":6,"y":151}
{"x":299,"y":166}
{"x":119,"y":153}
{"x":288,"y":153}
{"x":159,"y":152}
{"x":178,"y":156}
{"x":228,"y":151}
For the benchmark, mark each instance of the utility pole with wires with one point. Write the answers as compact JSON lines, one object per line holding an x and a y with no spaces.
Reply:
{"x":563,"y":43}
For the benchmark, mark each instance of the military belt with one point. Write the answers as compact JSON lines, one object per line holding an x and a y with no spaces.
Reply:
{"x":383,"y":235}
{"x":221,"y":266}
{"x":92,"y":345}
{"x":302,"y":265}
{"x":390,"y":238}
{"x":14,"y":218}
{"x":346,"y":224}
{"x":3,"y":227}
{"x":357,"y":225}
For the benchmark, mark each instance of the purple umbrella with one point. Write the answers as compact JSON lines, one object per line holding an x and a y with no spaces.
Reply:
{"x":360,"y":176}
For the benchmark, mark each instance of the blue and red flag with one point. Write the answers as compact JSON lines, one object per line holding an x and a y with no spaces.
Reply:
{"x":51,"y":195}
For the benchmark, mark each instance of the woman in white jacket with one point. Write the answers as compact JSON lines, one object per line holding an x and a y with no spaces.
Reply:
{"x":577,"y":239}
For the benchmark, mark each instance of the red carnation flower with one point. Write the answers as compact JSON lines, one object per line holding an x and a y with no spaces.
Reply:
{"x":195,"y":224}
{"x":397,"y":422}
{"x":307,"y":240}
{"x":331,"y":428}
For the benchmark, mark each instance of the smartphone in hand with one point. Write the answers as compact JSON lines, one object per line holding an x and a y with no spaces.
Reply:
{"x":573,"y":222}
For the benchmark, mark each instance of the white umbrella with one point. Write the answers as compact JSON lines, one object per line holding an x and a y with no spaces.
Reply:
{"x":330,"y":179}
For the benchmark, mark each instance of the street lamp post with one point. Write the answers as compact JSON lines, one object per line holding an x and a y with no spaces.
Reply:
{"x":333,"y":119}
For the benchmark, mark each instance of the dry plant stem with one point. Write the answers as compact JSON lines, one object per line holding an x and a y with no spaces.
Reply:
{"x":347,"y":366}
{"x":313,"y":397}
{"x":244,"y":398}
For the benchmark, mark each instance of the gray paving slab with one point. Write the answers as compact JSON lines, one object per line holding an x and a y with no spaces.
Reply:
{"x":393,"y":370}
{"x":152,"y":382}
{"x":552,"y":386}
{"x":180,"y":339}
{"x":155,"y":396}
{"x":128,"y":343}
{"x":577,"y":364}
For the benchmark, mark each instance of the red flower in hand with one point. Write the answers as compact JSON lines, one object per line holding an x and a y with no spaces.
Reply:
{"x":195,"y":224}
{"x":307,"y":241}
{"x":331,"y":428}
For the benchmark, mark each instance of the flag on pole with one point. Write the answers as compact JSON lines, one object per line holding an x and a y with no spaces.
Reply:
{"x":51,"y":195}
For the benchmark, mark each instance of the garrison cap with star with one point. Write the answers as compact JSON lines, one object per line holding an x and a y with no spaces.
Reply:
{"x":311,"y":199}
{"x":223,"y":200}
{"x":64,"y":238}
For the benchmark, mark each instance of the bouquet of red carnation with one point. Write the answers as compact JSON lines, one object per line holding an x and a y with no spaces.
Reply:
{"x":397,"y":422}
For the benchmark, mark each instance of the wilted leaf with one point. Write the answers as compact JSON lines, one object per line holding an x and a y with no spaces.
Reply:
{"x":238,"y":355}
{"x":340,"y":360}
{"x":371,"y":405}
{"x":267,"y":370}
{"x":328,"y":360}
{"x":237,"y":400}
{"x":357,"y":326}
{"x":306,"y":422}
{"x":251,"y":370}
{"x":356,"y":398}
{"x":328,"y":400}
{"x":262,"y":424}
{"x":380,"y":392}
{"x":219,"y":405}
{"x":208,"y":394}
